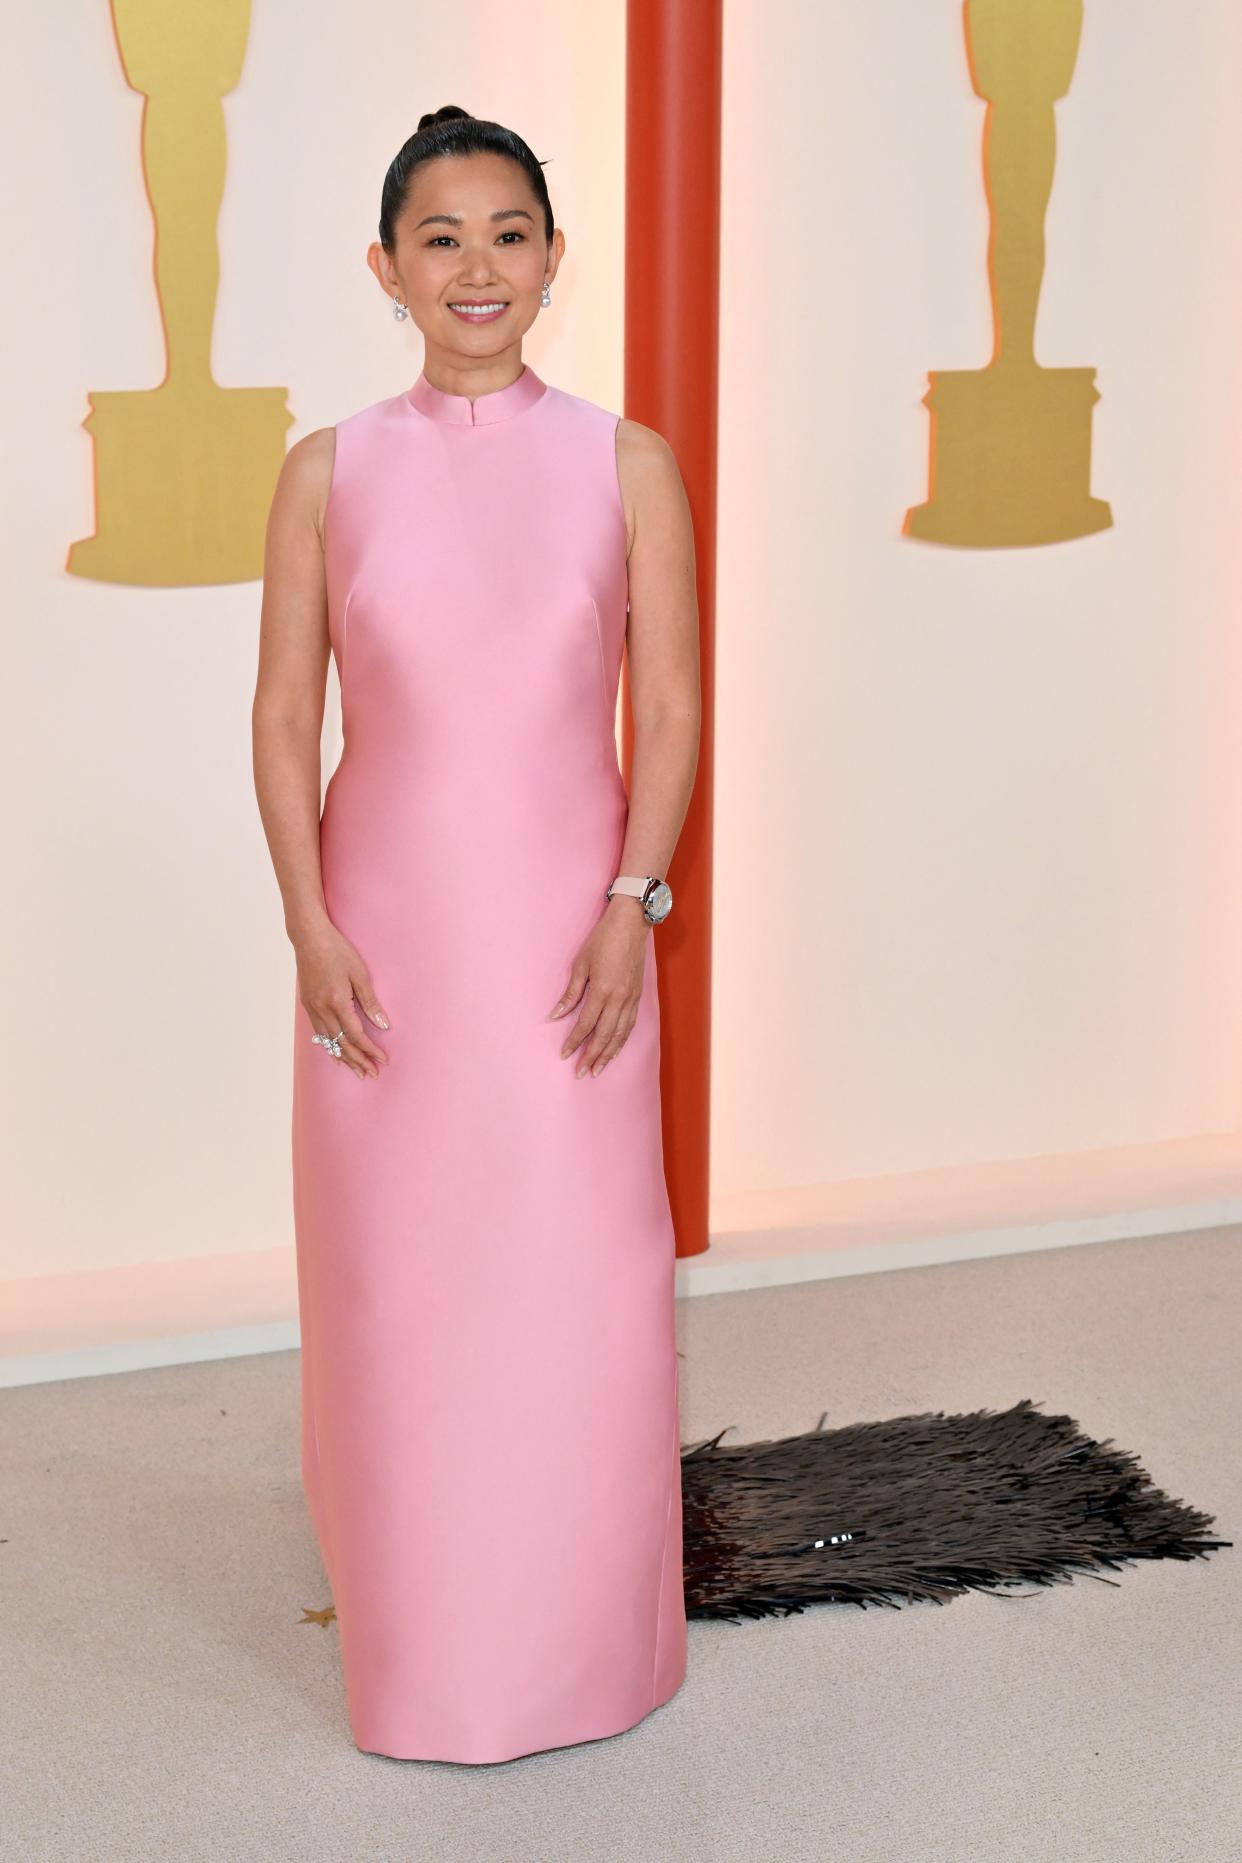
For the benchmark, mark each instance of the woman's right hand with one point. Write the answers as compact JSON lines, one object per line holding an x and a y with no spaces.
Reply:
{"x":332,"y":982}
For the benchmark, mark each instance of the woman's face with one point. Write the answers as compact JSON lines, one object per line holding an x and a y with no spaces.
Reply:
{"x":470,"y":232}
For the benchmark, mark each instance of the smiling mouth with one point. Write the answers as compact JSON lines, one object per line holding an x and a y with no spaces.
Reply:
{"x":491,"y":308}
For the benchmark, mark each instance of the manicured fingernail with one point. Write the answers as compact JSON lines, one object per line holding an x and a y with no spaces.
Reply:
{"x":558,"y":1009}
{"x":598,"y":1068}
{"x":382,"y":1019}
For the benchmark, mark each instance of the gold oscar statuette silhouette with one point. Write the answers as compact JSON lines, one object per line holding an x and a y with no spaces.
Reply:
{"x":1010,"y":459}
{"x":184,"y":472}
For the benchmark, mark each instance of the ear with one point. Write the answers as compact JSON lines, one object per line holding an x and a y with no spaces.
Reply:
{"x":382,"y":266}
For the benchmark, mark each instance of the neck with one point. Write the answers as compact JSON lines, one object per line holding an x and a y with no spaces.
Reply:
{"x":455,"y":374}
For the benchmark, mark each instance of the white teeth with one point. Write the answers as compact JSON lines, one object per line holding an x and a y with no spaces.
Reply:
{"x":476,"y":310}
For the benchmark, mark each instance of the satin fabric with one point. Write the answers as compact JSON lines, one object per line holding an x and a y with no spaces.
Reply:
{"x":485,"y":1250}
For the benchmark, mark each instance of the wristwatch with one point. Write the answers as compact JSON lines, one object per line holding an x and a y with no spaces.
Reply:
{"x":656,"y":895}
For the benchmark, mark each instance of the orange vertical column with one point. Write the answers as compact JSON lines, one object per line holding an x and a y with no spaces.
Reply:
{"x":672,"y":275}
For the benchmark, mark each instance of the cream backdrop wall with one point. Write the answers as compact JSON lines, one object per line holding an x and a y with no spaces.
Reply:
{"x":977,"y":860}
{"x":151,"y":1000}
{"x":978,"y":854}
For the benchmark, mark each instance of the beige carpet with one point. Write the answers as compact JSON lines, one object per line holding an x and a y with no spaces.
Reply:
{"x":162,"y":1700}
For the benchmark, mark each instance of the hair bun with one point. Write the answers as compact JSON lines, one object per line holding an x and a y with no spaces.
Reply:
{"x":444,"y":114}
{"x":452,"y":131}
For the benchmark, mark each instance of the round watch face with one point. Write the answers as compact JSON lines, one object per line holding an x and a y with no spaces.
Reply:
{"x":659,"y":902}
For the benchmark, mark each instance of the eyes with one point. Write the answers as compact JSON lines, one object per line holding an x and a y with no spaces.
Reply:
{"x":512,"y":233}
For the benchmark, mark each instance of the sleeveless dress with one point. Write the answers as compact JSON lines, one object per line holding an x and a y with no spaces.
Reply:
{"x":485,"y":1252}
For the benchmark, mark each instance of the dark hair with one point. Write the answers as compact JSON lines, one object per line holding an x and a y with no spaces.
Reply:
{"x":453,"y":131}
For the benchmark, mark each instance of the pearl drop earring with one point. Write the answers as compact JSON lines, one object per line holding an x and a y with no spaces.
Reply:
{"x":399,"y":310}
{"x":546,"y":299}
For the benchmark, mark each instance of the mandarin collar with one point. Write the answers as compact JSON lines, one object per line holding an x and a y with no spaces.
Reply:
{"x":461,"y":411}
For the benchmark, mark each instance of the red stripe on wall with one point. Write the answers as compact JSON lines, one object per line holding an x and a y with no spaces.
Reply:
{"x":672,"y":279}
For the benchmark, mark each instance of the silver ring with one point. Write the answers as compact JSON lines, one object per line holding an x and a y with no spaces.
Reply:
{"x":331,"y":1042}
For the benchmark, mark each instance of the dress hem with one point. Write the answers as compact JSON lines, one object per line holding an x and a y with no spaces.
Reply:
{"x":556,"y":1746}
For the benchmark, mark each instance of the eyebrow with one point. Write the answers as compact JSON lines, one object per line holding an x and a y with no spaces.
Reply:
{"x":455,"y":219}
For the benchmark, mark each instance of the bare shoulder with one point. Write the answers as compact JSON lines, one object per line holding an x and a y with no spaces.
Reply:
{"x":647,"y":471}
{"x":646,"y":453}
{"x":306,"y":477}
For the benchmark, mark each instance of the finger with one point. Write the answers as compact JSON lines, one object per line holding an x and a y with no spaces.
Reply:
{"x":573,"y":990}
{"x":355,"y":1028}
{"x":614,"y":1047}
{"x":364,"y":991}
{"x":601,"y":1041}
{"x":602,"y":1033}
{"x":354,"y":1059}
{"x":360,"y":1043}
{"x":591,"y":1011}
{"x":325,"y":1025}
{"x":351,"y":1053}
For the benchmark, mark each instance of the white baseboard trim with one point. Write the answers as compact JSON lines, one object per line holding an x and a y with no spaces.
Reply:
{"x":90,"y":1361}
{"x":782,"y":1258}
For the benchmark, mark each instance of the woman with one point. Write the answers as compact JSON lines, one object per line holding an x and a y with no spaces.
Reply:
{"x":490,"y":1443}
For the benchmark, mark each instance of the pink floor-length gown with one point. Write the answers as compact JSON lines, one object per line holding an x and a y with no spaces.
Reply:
{"x":490,"y":1444}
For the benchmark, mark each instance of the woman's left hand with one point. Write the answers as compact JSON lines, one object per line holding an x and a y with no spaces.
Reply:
{"x":609,"y":965}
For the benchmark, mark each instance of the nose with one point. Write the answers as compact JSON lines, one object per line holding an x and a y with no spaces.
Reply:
{"x":477,"y":265}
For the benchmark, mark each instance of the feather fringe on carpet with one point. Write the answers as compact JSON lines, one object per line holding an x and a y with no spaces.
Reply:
{"x":917,"y":1507}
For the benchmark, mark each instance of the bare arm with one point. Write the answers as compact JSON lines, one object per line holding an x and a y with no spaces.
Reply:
{"x":287,"y":715}
{"x":663,"y":641}
{"x":286,"y":725}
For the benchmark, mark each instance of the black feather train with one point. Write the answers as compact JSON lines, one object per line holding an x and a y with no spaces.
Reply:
{"x":917,"y":1507}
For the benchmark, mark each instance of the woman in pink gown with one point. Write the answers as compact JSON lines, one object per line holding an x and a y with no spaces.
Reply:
{"x":485,"y":1251}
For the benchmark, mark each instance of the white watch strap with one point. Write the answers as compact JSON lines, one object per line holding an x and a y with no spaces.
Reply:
{"x":628,"y":883}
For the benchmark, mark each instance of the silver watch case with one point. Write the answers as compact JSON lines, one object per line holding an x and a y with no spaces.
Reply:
{"x":657,"y":902}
